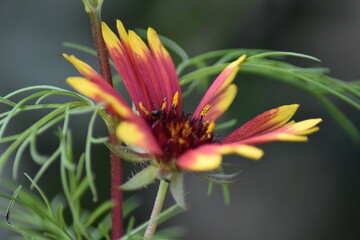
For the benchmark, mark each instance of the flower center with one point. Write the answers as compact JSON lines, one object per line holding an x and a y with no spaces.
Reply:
{"x":176,"y":133}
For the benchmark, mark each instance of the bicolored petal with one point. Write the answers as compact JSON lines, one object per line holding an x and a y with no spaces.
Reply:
{"x":263,"y":123}
{"x":220,"y":94}
{"x":133,"y":130}
{"x":220,"y":103}
{"x":87,"y":71}
{"x":145,"y":68}
{"x":273,"y":125}
{"x":166,"y":69}
{"x":138,"y":134}
{"x":122,"y":32}
{"x":148,"y":73}
{"x":115,"y":104}
{"x":121,"y":55}
{"x":209,"y":156}
{"x":295,"y":132}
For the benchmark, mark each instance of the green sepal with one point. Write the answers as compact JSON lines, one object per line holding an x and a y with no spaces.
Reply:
{"x":126,"y":154}
{"x":141,"y":179}
{"x":177,"y":189}
{"x":219,"y":178}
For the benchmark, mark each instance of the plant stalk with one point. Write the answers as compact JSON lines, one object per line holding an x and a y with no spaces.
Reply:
{"x":159,"y":201}
{"x":116,"y":193}
{"x":102,"y":54}
{"x":115,"y":161}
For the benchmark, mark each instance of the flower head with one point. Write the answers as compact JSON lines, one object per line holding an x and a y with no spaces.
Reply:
{"x":160,"y":129}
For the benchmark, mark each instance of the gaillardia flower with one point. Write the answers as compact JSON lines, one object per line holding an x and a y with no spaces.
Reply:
{"x":159,"y":129}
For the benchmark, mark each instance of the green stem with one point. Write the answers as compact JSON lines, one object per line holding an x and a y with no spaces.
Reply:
{"x":150,"y":230}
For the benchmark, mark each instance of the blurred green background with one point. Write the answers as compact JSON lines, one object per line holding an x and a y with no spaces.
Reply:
{"x":297,"y":191}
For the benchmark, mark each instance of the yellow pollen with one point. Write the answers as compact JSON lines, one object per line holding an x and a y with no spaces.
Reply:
{"x":211,"y":127}
{"x":175,"y":100}
{"x":163,"y":105}
{"x":187,"y":124}
{"x":205,"y":110}
{"x":141,"y":106}
{"x":186,"y":130}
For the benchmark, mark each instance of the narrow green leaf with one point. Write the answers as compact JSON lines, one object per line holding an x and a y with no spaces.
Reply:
{"x":340,"y":118}
{"x":227,"y":124}
{"x":83,"y":48}
{"x":66,"y":175}
{"x":177,"y":189}
{"x":103,"y":208}
{"x":210,"y":188}
{"x":80,"y":189}
{"x":42,"y":194}
{"x":88,"y":144}
{"x":80,"y":47}
{"x":36,"y":156}
{"x":226,"y":193}
{"x":130,"y":204}
{"x":47,"y":164}
{"x":6,"y":101}
{"x":100,"y":140}
{"x":204,"y":72}
{"x":11,"y":204}
{"x":131,"y":224}
{"x":18,"y":106}
{"x":227,"y":58}
{"x":293,"y":54}
{"x":165,"y":215}
{"x":32,"y":88}
{"x":80,"y":167}
{"x":63,"y":93}
{"x":104,"y":227}
{"x":66,"y":157}
{"x":18,"y":156}
{"x":167,"y":43}
{"x":216,"y":54}
{"x":34,"y":211}
{"x":192,"y":86}
{"x":24,"y":139}
{"x":60,"y":215}
{"x":305,"y":79}
{"x":116,"y":80}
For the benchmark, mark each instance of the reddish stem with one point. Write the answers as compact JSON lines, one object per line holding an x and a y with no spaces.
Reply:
{"x":116,"y":193}
{"x":100,"y":46}
{"x":115,"y":161}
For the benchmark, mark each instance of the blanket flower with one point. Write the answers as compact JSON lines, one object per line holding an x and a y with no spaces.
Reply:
{"x":159,"y":129}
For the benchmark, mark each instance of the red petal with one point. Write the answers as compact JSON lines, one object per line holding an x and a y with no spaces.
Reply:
{"x":148,"y":74}
{"x":216,"y":96}
{"x":209,"y":156}
{"x":273,"y":126}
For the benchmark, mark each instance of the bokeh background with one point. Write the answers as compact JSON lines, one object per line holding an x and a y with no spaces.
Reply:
{"x":297,"y":191}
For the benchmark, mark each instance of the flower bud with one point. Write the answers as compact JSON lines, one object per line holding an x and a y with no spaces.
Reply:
{"x":92,"y":6}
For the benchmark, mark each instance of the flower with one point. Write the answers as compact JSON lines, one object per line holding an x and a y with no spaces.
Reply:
{"x":174,"y":140}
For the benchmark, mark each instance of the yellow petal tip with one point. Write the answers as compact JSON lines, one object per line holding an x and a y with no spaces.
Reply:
{"x":137,"y":44}
{"x":110,"y":38}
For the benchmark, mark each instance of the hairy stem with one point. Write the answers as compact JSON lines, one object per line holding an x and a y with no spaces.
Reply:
{"x":150,"y":230}
{"x":116,"y":193}
{"x":100,"y":46}
{"x":115,"y":161}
